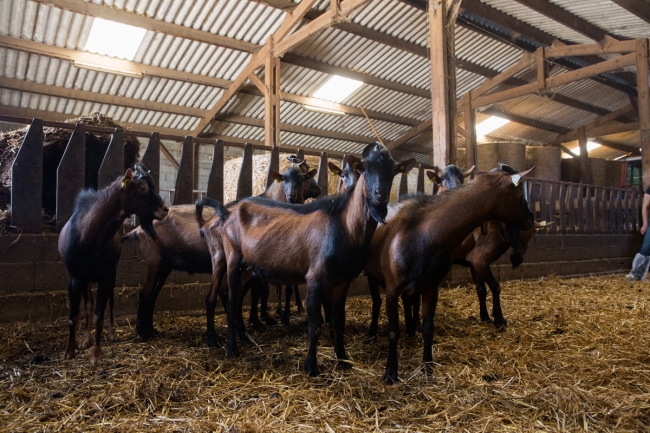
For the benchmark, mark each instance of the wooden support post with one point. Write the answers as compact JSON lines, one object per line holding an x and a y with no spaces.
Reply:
{"x":271,"y":97}
{"x":215,"y":179}
{"x":344,"y":163}
{"x":184,"y":189}
{"x":27,"y":181}
{"x":403,"y":187}
{"x":541,"y":70}
{"x":274,"y":165}
{"x":113,"y":162}
{"x":470,"y":133}
{"x":321,"y":176}
{"x":70,"y":175}
{"x":644,"y":106}
{"x":420,"y":184}
{"x":245,"y":180}
{"x":151,"y":157}
{"x":444,"y":119}
{"x":585,"y":175}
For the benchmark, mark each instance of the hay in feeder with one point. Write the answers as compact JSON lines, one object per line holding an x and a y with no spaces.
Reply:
{"x":55,"y":141}
{"x":412,"y":178}
{"x":260,"y":167}
{"x":574,"y":358}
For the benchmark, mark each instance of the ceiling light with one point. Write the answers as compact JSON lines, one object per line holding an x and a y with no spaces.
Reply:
{"x":114,"y":39}
{"x":489,"y":125}
{"x":337,"y":88}
{"x":323,"y":110}
{"x":107,"y":69}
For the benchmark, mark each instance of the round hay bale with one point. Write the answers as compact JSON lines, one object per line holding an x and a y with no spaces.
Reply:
{"x":597,"y":167}
{"x":613,"y":173}
{"x":260,"y":166}
{"x":55,"y":141}
{"x":490,"y":154}
{"x":546,"y":161}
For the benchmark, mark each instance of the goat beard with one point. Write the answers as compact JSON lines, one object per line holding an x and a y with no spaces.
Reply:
{"x":147,"y":227}
{"x":377,"y":212}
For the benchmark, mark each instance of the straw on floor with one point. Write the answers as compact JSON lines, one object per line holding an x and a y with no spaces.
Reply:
{"x":575,"y":357}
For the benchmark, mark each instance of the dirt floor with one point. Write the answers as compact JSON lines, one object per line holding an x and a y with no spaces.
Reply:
{"x":575,"y":357}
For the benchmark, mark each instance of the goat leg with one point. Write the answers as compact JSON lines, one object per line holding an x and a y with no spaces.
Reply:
{"x":373,"y":286}
{"x":495,"y":288}
{"x":74,"y":297}
{"x":481,"y":292}
{"x":104,"y":293}
{"x":88,"y":306}
{"x":429,"y":302}
{"x":265,"y":291}
{"x":286,"y":314}
{"x":390,"y":377}
{"x":111,"y":322}
{"x":301,"y":309}
{"x":314,"y":302}
{"x":253,"y":317}
{"x":338,"y":295}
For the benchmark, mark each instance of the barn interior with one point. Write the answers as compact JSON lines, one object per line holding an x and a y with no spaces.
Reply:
{"x":212,"y":94}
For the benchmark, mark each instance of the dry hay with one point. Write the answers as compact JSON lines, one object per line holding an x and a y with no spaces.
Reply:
{"x":260,"y":166}
{"x":55,"y":141}
{"x":574,"y":358}
{"x":412,"y":180}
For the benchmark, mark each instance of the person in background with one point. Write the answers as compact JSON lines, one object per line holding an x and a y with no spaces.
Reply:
{"x":641,"y":261}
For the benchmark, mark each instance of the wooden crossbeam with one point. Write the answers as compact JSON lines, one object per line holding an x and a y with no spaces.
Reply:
{"x":596,"y":123}
{"x":282,"y":44}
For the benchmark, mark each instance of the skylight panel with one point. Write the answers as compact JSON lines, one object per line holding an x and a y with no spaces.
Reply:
{"x":114,"y":39}
{"x":337,"y":88}
{"x":489,"y":125}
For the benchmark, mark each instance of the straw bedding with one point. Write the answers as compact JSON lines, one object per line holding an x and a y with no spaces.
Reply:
{"x":574,"y":358}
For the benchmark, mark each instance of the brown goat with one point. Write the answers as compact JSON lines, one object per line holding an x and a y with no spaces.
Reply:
{"x":412,"y":253}
{"x":89,"y":245}
{"x":323,"y":244}
{"x":179,"y":246}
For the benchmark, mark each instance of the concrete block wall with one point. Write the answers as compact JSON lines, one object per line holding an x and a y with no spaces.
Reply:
{"x":33,"y":280}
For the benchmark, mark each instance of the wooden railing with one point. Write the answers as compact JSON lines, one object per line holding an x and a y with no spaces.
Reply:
{"x":575,"y":208}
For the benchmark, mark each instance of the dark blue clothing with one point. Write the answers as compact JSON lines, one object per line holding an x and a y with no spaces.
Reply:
{"x":645,"y":248}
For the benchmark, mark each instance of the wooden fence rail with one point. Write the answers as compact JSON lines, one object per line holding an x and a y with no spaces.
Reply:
{"x":576,"y":208}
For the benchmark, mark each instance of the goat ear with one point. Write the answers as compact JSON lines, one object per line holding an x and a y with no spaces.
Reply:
{"x":469,"y":171}
{"x":310,"y":174}
{"x":405,"y":166}
{"x":355,"y":163}
{"x":126,"y":180}
{"x":334,"y":168}
{"x":275,"y":175}
{"x":433,"y":177}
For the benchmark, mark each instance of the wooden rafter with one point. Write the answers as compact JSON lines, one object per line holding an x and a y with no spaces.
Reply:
{"x":282,"y":44}
{"x":599,"y":125}
{"x":172,"y":74}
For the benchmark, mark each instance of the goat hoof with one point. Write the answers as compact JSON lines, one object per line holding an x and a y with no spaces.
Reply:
{"x":270,"y":321}
{"x":301,"y":309}
{"x":486,"y":319}
{"x":286,"y":320}
{"x":258,"y":326}
{"x":233,"y":352}
{"x":111,"y":334}
{"x":70,"y":350}
{"x":96,"y":356}
{"x":213,"y":341}
{"x":85,"y":341}
{"x":344,"y":365}
{"x":501,"y":324}
{"x":390,"y":377}
{"x":146,"y":333}
{"x":312,"y":370}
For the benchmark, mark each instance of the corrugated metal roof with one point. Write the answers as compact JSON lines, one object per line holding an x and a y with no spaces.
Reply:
{"x":253,"y":22}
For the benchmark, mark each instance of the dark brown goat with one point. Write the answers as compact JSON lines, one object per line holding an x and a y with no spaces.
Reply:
{"x":323,"y":244}
{"x":178,"y":246}
{"x":348,"y":176}
{"x":412,"y":253}
{"x":89,"y":244}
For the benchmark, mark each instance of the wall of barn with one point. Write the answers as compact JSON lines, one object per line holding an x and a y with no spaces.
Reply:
{"x":33,"y":281}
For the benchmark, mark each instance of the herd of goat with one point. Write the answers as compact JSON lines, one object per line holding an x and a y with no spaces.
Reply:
{"x":275,"y":238}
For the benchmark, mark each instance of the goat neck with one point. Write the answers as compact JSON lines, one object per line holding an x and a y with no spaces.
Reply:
{"x":359,"y":226}
{"x":104,"y":216}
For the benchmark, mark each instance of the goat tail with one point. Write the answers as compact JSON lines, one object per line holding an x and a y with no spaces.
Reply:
{"x":214,"y":204}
